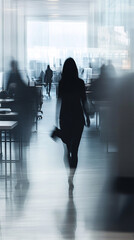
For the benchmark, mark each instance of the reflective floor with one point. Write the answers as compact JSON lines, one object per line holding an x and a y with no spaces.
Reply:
{"x":35,"y":203}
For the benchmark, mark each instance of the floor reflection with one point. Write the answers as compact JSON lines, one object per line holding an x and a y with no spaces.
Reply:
{"x":22,"y":185}
{"x":67,"y":223}
{"x":35,"y":202}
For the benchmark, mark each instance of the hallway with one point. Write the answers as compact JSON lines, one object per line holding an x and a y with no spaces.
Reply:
{"x":41,"y":208}
{"x":34,"y":200}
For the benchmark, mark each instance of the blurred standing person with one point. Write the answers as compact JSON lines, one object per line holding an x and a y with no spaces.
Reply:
{"x":111,"y":73}
{"x":111,"y":77}
{"x":125,"y":126}
{"x":13,"y":79}
{"x":48,"y":79}
{"x":25,"y":105}
{"x":71,"y":107}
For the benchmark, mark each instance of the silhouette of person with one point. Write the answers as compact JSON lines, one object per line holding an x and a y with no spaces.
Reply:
{"x":111,"y":73}
{"x":13,"y":79}
{"x":71,"y":107}
{"x":25,"y":105}
{"x":102,"y":88}
{"x":48,"y":79}
{"x":124,"y":115}
{"x":41,"y":77}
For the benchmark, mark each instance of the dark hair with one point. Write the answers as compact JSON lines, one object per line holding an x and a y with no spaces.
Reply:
{"x":70,"y":71}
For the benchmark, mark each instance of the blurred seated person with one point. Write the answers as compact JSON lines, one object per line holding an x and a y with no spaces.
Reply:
{"x":102,"y":88}
{"x":41,"y":77}
{"x":111,"y":73}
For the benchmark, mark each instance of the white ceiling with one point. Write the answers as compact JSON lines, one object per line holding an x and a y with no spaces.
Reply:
{"x":56,"y":8}
{"x":75,"y":9}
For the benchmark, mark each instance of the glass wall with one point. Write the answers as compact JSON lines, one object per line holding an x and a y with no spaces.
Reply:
{"x":52,"y":42}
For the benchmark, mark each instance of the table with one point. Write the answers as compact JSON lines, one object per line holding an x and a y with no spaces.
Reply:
{"x":7,"y":125}
{"x":5,"y":128}
{"x":8,"y":115}
{"x":5,"y":110}
{"x":6,"y":100}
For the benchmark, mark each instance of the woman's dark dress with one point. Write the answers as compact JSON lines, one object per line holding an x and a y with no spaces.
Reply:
{"x":72,"y":95}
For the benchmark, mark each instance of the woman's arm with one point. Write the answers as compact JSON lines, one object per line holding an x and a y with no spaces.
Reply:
{"x":85,"y":108}
{"x":85,"y":105}
{"x":58,"y":107}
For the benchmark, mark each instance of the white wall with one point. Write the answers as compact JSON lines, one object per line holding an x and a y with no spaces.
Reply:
{"x":12,"y":40}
